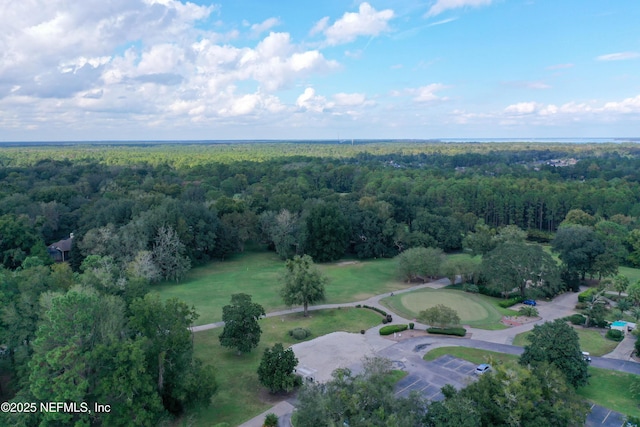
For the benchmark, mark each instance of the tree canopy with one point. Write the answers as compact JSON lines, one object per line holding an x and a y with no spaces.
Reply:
{"x":241,"y":328}
{"x":303,"y":282}
{"x":557,"y":344}
{"x":525,"y":268}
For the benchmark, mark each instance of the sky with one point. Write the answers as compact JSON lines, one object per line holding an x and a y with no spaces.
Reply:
{"x":331,"y":69}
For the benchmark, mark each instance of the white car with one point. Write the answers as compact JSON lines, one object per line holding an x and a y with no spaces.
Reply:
{"x":481,"y":369}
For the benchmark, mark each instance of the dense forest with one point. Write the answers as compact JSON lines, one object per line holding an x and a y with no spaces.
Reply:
{"x":134,"y":215}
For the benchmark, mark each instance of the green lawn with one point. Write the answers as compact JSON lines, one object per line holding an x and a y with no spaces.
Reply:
{"x":210,"y":287}
{"x":633,"y":274}
{"x":606,"y":388}
{"x":611,"y":390}
{"x":479,"y":311}
{"x":473,"y":355}
{"x":240,"y":396}
{"x":591,"y":340}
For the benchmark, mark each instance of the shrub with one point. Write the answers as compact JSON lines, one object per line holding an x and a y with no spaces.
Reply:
{"x":271,"y":420}
{"x":389,"y":318}
{"x":411,"y":325}
{"x":384,"y":313}
{"x":615,"y":335}
{"x":390,"y":329}
{"x":581,"y":306}
{"x":299,"y":333}
{"x":586,"y":295}
{"x":362,"y":331}
{"x":598,"y":323}
{"x":358,"y":305}
{"x":470,"y":287}
{"x":510,"y":302}
{"x":448,"y":331}
{"x":384,"y":321}
{"x":528,"y":311}
{"x":577,"y":319}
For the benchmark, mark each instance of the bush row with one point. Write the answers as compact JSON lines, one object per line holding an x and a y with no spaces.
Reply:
{"x":384,"y":313}
{"x":448,"y":331}
{"x":390,"y":329}
{"x":511,"y":301}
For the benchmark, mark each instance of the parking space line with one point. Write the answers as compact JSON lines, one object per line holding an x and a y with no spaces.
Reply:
{"x":415,"y":382}
{"x":605,"y":418}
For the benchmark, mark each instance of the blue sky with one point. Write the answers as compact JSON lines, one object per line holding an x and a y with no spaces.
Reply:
{"x":257,"y":69}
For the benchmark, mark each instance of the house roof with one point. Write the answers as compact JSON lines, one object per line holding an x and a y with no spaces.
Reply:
{"x":62,"y":245}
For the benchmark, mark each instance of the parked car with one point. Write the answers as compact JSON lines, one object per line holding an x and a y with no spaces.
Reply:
{"x":481,"y":369}
{"x":586,"y":356}
{"x":530,"y":302}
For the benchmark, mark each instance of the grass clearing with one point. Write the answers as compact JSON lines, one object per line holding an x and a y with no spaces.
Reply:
{"x":473,"y":355}
{"x":591,"y":340}
{"x":209,"y":287}
{"x":240,"y":396}
{"x":479,"y":311}
{"x":606,"y":388}
{"x":633,"y":274}
{"x":611,"y":389}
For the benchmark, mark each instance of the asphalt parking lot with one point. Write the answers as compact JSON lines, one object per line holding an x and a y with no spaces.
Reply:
{"x":431,"y":376}
{"x":434,"y":375}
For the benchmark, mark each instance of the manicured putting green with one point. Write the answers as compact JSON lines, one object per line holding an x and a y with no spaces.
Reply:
{"x":472,"y":309}
{"x":467,"y":309}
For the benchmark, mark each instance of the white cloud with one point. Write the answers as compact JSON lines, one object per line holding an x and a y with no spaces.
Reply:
{"x":628,"y":105}
{"x":443,"y":5}
{"x":319,"y":26}
{"x":522,"y":108}
{"x":444,"y":21}
{"x":309,"y":101}
{"x":424,"y":93}
{"x":618,"y":56}
{"x":265,"y":25}
{"x":366,"y":22}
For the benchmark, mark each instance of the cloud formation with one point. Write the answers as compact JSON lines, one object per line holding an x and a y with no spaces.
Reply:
{"x":366,"y":22}
{"x":618,"y":56}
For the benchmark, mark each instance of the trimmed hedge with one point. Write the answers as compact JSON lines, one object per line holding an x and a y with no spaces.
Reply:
{"x":411,"y":325}
{"x":390,"y":329}
{"x":384,"y":313}
{"x":586,"y":295}
{"x":448,"y":331}
{"x":577,"y":319}
{"x":510,"y":302}
{"x":615,"y":335}
{"x":299,"y":333}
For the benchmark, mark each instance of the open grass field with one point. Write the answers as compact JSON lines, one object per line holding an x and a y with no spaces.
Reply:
{"x":210,"y":287}
{"x":611,"y":389}
{"x":633,"y":274}
{"x":474,"y":310}
{"x":591,"y":340}
{"x":240,"y":396}
{"x":607,"y":388}
{"x":473,"y":355}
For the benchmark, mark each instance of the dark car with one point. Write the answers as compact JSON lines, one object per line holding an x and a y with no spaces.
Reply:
{"x":529,"y":302}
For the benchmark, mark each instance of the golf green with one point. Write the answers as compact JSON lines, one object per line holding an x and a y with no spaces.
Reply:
{"x":468,"y":309}
{"x":474,"y":310}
